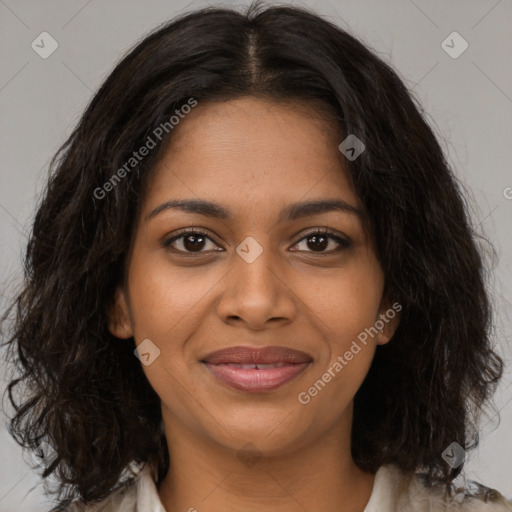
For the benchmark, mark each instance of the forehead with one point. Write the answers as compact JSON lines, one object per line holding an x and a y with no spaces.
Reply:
{"x":252,"y":149}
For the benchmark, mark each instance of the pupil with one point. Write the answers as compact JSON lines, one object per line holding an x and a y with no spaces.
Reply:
{"x":316,"y":239}
{"x":193,"y":245}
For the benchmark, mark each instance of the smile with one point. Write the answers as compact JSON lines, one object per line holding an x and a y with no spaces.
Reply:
{"x":256,"y":369}
{"x":256,"y":377}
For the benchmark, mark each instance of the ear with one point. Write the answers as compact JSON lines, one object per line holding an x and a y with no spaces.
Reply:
{"x":387,"y":321}
{"x":119,"y":322}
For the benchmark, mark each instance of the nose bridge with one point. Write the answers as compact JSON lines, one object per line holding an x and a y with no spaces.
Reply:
{"x":255,"y":293}
{"x":253,"y":268}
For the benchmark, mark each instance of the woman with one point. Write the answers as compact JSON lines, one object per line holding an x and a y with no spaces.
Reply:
{"x":252,"y":284}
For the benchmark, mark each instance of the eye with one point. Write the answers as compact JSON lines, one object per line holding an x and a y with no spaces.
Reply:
{"x":321,"y":239}
{"x":190,"y":241}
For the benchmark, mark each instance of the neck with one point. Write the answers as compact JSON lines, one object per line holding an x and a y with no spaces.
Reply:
{"x":206,"y":476}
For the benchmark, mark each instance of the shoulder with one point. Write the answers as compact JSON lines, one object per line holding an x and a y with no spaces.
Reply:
{"x":121,"y":500}
{"x":403,"y":491}
{"x":140,"y":490}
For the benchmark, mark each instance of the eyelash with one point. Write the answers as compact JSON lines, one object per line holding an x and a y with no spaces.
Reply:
{"x":344,"y":243}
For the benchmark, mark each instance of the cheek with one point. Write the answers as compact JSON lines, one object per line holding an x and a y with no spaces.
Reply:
{"x":166,"y":304}
{"x":348,"y":304}
{"x":164,"y":299}
{"x":348,"y":308}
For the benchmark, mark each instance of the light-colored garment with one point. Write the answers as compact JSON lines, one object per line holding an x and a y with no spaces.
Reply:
{"x":393,"y":491}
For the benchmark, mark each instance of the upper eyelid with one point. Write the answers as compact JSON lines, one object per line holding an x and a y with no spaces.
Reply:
{"x":186,"y":231}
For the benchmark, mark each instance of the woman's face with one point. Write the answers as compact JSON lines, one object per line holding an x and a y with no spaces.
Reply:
{"x":255,"y":278}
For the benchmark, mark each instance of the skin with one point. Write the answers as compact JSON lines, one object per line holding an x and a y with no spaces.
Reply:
{"x":254,"y":157}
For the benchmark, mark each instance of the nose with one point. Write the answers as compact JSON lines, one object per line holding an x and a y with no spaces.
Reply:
{"x":257,"y":294}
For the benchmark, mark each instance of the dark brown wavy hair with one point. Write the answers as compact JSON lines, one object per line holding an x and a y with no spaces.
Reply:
{"x":82,"y":391}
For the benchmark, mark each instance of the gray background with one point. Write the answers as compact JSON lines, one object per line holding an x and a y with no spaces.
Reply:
{"x":468,"y":101}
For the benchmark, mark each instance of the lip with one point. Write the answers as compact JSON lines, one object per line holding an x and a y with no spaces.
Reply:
{"x":256,"y":369}
{"x":264,"y":355}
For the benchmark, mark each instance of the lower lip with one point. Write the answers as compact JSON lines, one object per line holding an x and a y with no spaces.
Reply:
{"x":254,"y":380}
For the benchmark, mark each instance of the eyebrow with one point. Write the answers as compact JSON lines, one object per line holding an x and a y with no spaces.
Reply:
{"x":288,"y":213}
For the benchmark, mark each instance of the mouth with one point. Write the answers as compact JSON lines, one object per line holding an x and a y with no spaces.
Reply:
{"x":256,"y":370}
